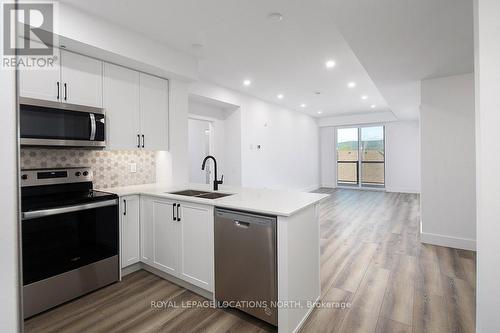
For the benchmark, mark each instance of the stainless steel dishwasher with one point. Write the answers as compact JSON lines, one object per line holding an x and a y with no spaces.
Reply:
{"x":246,"y":263}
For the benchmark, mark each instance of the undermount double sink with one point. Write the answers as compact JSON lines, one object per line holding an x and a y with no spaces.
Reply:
{"x":201,"y":194}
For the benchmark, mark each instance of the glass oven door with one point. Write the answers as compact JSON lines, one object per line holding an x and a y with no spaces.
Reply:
{"x":58,"y":240}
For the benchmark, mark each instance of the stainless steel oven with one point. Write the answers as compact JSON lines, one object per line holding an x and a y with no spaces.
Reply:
{"x":46,"y":123}
{"x":70,"y":237}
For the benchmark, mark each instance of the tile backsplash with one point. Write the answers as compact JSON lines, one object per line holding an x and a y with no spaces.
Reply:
{"x":110,"y":168}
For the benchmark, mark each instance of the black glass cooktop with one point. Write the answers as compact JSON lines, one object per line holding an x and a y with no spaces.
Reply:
{"x":53,"y":200}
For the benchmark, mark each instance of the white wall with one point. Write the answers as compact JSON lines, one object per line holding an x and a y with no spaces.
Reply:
{"x":487,"y":48}
{"x":178,"y":133}
{"x":9,"y":286}
{"x":289,"y":154}
{"x":402,"y":151}
{"x":232,"y":147}
{"x":448,"y":200}
{"x":328,"y":165}
{"x":402,"y":155}
{"x":122,"y":45}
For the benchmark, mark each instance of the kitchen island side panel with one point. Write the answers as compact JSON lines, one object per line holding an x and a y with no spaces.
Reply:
{"x":298,"y":267}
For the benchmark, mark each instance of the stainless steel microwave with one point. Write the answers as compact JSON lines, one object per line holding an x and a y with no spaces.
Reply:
{"x":46,"y":123}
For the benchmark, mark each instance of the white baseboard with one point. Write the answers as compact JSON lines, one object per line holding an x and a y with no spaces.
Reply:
{"x":310,"y":188}
{"x":448,"y":241}
{"x":329,"y":185}
{"x":401,"y":190}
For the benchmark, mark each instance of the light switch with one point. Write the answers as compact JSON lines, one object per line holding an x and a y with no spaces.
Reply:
{"x":133,"y":167}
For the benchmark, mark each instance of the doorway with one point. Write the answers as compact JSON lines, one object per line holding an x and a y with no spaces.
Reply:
{"x":200,"y":145}
{"x":361,"y":157}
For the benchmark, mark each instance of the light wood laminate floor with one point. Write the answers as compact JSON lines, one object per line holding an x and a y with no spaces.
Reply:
{"x":371,"y":261}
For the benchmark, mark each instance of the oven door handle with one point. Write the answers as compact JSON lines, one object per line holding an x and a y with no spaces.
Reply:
{"x":92,"y":127}
{"x":68,"y":209}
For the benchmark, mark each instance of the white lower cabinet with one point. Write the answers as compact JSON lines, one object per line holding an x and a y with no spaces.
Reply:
{"x":146,"y":233}
{"x":196,"y":244}
{"x":129,"y":226}
{"x":165,"y":236}
{"x":177,"y":238}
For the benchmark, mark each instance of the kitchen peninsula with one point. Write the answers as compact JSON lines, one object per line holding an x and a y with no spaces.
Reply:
{"x":169,"y":224}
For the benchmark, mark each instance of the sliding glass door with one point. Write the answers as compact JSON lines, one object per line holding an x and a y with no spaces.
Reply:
{"x":361,"y":157}
{"x":348,"y":157}
{"x":372,"y":150}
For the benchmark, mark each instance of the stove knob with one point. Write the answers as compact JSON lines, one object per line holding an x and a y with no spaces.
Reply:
{"x":85,"y":173}
{"x":24,"y":177}
{"x":78,"y":173}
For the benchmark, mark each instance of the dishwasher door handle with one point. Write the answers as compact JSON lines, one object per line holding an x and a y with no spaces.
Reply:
{"x":240,"y":224}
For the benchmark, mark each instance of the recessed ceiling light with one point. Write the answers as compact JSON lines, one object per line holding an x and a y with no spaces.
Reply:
{"x":351,"y":84}
{"x":303,"y":105}
{"x":320,"y":111}
{"x":275,"y":17}
{"x":373,"y":106}
{"x":280,"y":96}
{"x":364,"y":97}
{"x":330,"y":64}
{"x":247,"y":82}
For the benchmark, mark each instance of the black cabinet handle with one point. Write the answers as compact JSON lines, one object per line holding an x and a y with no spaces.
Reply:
{"x":138,"y":141}
{"x":65,"y":92}
{"x":178,"y":215}
{"x":143,"y":141}
{"x":58,"y":90}
{"x":124,"y":207}
{"x":173,"y":212}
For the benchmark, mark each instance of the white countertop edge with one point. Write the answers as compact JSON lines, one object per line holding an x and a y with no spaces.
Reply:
{"x":242,"y":198}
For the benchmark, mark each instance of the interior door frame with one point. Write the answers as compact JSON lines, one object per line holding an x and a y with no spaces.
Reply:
{"x":360,"y":171}
{"x":211,"y":144}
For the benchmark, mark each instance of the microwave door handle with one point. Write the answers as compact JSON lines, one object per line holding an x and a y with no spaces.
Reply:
{"x":92,"y":127}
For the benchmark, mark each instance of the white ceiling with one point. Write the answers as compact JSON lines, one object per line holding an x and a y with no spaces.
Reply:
{"x":397,"y":41}
{"x":240,"y":42}
{"x":401,"y":42}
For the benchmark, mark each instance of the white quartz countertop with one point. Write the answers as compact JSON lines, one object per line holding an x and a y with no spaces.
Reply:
{"x":266,"y":201}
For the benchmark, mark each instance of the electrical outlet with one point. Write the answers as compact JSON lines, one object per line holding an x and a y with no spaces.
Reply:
{"x":133,"y":167}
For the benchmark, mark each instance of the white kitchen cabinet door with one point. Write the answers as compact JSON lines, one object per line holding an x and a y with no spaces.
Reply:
{"x":197,"y":245}
{"x":81,"y":79}
{"x":146,"y":224}
{"x":121,"y":104}
{"x":154,"y":112}
{"x":42,"y":83}
{"x":165,"y":236}
{"x":130,"y":217}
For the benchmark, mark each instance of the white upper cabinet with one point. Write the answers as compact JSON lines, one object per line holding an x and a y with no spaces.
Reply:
{"x":130,"y":217}
{"x":74,"y":79}
{"x":122,"y":107}
{"x":136,"y":106}
{"x":42,"y":83}
{"x":81,"y":79}
{"x":154,"y":112}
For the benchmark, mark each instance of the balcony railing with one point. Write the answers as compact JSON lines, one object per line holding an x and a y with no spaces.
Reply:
{"x":373,"y":173}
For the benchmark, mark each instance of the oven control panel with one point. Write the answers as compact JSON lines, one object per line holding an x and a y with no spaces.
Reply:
{"x":35,"y":177}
